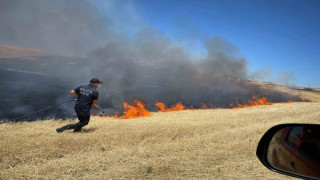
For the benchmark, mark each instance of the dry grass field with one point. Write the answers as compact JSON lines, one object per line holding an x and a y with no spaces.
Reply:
{"x":190,"y":144}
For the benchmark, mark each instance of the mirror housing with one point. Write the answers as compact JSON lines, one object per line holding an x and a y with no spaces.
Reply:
{"x":292,"y":149}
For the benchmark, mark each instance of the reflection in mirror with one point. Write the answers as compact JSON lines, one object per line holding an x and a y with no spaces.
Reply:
{"x":296,"y":149}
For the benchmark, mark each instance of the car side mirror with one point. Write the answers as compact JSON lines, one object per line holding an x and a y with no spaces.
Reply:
{"x":292,"y":149}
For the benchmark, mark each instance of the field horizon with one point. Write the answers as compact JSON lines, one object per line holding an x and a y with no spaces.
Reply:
{"x":189,"y":144}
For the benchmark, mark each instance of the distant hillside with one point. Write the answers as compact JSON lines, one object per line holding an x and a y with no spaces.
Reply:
{"x":18,"y":52}
{"x":306,"y":94}
{"x":7,"y":51}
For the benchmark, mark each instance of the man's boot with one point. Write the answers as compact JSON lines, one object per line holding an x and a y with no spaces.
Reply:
{"x":66,"y":127}
{"x":77,"y":130}
{"x":60,"y":130}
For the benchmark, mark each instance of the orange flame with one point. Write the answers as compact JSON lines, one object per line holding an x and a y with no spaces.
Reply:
{"x":133,"y":110}
{"x":253,"y":102}
{"x":136,"y":109}
{"x":162,"y":107}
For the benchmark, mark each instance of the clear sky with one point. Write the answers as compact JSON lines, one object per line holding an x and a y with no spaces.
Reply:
{"x":281,"y":34}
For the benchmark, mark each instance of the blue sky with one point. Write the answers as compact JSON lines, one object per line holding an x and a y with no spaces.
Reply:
{"x":282,"y":35}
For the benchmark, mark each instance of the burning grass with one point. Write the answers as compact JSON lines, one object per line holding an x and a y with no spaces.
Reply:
{"x":162,"y":107}
{"x":189,"y":144}
{"x":138,"y":109}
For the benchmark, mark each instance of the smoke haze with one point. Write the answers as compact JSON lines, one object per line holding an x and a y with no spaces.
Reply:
{"x":142,"y":65}
{"x":266,"y":74}
{"x":73,"y":25}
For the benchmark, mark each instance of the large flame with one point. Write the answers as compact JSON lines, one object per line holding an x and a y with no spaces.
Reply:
{"x":138,"y":109}
{"x":133,"y":110}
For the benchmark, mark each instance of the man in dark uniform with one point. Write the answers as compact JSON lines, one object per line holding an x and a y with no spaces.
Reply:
{"x":87,"y":96}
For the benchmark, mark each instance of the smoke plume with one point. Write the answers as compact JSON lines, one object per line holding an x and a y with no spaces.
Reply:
{"x":153,"y":68}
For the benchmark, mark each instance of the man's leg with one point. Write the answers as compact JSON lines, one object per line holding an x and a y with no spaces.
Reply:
{"x":83,"y":120}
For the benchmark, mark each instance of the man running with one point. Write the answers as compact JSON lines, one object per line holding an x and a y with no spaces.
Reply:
{"x":87,"y":95}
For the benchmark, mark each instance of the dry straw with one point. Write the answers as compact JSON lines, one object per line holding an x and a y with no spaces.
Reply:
{"x":190,"y":144}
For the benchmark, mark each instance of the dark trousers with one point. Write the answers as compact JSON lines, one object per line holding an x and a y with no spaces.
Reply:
{"x":83,"y":121}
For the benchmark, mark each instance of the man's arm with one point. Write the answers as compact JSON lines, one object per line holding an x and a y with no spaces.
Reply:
{"x":94,"y":103}
{"x":74,"y":93}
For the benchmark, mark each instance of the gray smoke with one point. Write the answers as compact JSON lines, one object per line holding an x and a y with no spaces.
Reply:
{"x":155,"y":69}
{"x":144,"y":65}
{"x":70,"y":26}
{"x":266,"y":74}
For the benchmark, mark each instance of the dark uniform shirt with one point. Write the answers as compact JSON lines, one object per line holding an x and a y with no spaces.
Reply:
{"x":86,"y":94}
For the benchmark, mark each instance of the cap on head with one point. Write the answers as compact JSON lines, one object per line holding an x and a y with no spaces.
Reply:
{"x":95,"y":81}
